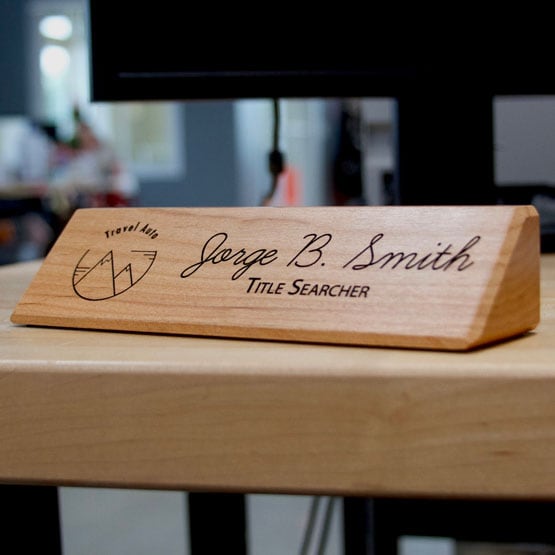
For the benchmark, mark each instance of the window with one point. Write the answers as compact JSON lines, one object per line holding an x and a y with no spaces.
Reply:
{"x":147,"y":137}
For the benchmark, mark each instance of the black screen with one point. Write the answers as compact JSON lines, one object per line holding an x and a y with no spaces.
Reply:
{"x":443,"y":68}
{"x":167,"y":50}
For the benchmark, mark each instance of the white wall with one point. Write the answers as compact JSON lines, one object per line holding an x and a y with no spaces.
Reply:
{"x":304,"y":140}
{"x":524,"y":140}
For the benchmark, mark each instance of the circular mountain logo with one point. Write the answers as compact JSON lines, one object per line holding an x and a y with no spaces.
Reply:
{"x":103,"y":275}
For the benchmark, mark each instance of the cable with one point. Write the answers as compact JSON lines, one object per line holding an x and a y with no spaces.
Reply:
{"x":310,"y":523}
{"x":324,"y":534}
{"x":276,"y":159}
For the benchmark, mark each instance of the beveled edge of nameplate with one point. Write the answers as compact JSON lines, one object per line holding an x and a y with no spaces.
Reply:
{"x":510,"y":305}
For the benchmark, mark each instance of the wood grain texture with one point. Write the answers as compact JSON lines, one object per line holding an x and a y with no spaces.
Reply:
{"x":155,"y":411}
{"x":427,"y":277}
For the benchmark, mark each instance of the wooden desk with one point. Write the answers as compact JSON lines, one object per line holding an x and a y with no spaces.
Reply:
{"x":147,"y":411}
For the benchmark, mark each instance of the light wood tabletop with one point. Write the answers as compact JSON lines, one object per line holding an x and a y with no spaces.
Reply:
{"x":157,"y":411}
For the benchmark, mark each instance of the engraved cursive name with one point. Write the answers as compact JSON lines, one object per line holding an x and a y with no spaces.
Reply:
{"x":442,"y":259}
{"x":214,"y":251}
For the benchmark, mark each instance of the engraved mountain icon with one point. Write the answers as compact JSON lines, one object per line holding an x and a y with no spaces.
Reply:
{"x":99,"y":278}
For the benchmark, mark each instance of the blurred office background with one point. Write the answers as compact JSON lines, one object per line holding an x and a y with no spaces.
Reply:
{"x":60,"y":152}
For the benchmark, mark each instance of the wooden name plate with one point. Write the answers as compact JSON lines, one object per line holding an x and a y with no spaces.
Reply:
{"x":425,"y":277}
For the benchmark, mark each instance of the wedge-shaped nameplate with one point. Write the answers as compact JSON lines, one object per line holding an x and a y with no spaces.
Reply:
{"x":426,"y":277}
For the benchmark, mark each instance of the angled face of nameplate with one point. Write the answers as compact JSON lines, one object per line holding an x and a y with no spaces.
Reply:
{"x":424,"y":277}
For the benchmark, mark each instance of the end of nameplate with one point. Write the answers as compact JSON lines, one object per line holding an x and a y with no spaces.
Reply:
{"x":510,"y":305}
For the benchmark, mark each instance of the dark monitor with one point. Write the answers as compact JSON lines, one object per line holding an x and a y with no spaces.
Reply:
{"x":167,"y":50}
{"x":172,"y":51}
{"x":441,"y":70}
